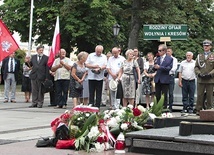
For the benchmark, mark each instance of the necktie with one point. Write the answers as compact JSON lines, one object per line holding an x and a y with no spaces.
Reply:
{"x":11,"y":65}
{"x":39,"y":58}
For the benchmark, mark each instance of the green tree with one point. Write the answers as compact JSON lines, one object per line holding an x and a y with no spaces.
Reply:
{"x":86,"y":23}
{"x":83,"y":23}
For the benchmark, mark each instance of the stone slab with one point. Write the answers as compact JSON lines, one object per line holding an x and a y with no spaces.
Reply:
{"x":174,"y":121}
{"x":207,"y":115}
{"x":168,"y":141}
{"x":189,"y":128}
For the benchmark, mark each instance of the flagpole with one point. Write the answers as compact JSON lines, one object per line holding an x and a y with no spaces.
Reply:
{"x":30,"y":28}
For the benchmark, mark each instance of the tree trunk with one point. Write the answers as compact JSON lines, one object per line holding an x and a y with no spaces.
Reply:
{"x":136,"y":24}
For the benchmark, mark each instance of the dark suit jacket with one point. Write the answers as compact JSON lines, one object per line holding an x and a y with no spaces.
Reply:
{"x":162,"y":74}
{"x":40,"y":70}
{"x":5,"y":68}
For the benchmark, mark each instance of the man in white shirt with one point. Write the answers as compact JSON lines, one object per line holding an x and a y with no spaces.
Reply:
{"x":61,"y":67}
{"x":113,"y":68}
{"x":96,"y":62}
{"x":172,"y":75}
{"x":105,"y":91}
{"x":187,"y":82}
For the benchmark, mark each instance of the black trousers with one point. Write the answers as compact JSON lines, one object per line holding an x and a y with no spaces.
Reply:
{"x":162,"y":89}
{"x":95,"y":86}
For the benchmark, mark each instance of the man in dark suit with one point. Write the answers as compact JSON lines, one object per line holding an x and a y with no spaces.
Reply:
{"x":163,"y":64}
{"x":10,"y":69}
{"x":39,"y":73}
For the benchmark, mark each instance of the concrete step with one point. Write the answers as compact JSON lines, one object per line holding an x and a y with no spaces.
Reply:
{"x":167,"y":141}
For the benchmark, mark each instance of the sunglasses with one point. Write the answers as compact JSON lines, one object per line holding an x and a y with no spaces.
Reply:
{"x":160,"y":50}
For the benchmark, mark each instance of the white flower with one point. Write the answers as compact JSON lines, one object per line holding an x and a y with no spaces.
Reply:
{"x":87,"y":114}
{"x":106,"y":112}
{"x":130,"y":106}
{"x":121,"y":112}
{"x":116,"y":110}
{"x":163,"y":115}
{"x":151,"y":104}
{"x":124,"y":126}
{"x":118,"y":119}
{"x":112,"y":122}
{"x":111,"y":112}
{"x":169,"y":115}
{"x":99,"y":147}
{"x":141,"y":108}
{"x":94,"y":132}
{"x":123,"y":108}
{"x":152,"y":116}
{"x":78,"y":119}
{"x":92,"y":149}
{"x":106,"y":116}
{"x":134,"y":124}
{"x":107,"y":146}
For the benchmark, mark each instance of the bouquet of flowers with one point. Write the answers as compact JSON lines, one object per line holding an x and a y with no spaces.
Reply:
{"x":95,"y":131}
{"x":126,"y":119}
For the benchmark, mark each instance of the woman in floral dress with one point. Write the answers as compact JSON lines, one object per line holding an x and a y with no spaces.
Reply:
{"x":127,"y":78}
{"x":148,"y":87}
{"x":78,"y":73}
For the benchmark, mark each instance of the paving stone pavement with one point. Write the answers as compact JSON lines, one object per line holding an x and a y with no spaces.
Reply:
{"x":22,"y":126}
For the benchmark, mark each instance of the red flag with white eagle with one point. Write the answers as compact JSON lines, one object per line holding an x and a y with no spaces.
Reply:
{"x":8,"y":44}
{"x":54,"y":50}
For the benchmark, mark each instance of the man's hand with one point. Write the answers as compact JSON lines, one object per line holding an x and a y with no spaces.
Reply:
{"x":207,"y":76}
{"x":201,"y":75}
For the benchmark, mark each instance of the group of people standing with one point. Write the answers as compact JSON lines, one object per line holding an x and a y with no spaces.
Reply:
{"x":125,"y":78}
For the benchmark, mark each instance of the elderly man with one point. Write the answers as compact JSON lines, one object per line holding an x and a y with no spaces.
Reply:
{"x":96,"y":62}
{"x":113,"y":68}
{"x":187,"y":82}
{"x":204,"y":69}
{"x":10,"y":69}
{"x":61,"y":67}
{"x":39,"y":73}
{"x":163,"y":65}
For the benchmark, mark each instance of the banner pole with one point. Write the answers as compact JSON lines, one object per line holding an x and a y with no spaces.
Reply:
{"x":30,"y":28}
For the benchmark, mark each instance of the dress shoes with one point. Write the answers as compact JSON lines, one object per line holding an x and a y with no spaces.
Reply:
{"x":39,"y":106}
{"x":58,"y":107}
{"x":51,"y":105}
{"x":5,"y":101}
{"x":13,"y":101}
{"x":32,"y":106}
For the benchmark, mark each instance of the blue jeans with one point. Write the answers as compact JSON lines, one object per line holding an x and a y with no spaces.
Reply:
{"x":61,"y":92}
{"x":171,"y":89}
{"x":188,"y":91}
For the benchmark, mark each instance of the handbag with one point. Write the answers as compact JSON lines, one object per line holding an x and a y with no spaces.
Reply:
{"x":47,"y":86}
{"x":135,"y":73}
{"x":78,"y":85}
{"x":135,"y":76}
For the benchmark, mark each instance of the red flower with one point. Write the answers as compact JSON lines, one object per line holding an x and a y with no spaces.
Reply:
{"x":136,"y":112}
{"x":102,"y":139}
{"x":101,"y":121}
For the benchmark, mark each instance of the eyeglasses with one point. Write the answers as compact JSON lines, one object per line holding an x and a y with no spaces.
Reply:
{"x":160,"y":50}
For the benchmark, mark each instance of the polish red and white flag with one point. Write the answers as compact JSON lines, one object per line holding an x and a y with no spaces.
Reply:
{"x":8,"y":44}
{"x":54,"y":50}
